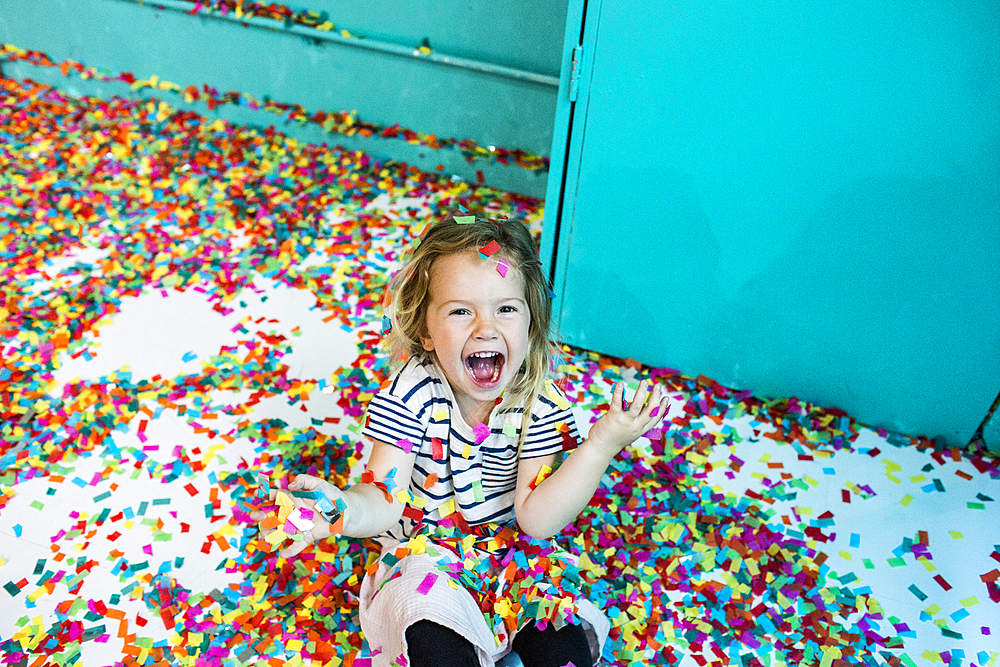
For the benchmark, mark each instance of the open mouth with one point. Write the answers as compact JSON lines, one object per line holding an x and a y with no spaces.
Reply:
{"x":485,"y":368}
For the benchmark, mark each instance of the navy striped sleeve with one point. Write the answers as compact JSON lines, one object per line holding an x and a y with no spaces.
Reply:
{"x":552,"y":430}
{"x":390,"y":421}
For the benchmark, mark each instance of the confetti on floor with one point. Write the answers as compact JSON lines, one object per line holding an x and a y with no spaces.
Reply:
{"x":187,"y":304}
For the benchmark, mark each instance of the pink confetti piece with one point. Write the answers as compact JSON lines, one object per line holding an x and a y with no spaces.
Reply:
{"x":405,"y":445}
{"x":502,"y":268}
{"x":425,"y":585}
{"x":481,"y":431}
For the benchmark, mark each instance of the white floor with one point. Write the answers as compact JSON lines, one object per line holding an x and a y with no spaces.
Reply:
{"x":127,"y":549}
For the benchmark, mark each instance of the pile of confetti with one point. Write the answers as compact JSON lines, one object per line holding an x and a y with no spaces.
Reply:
{"x":743,"y":531}
{"x":346,"y":123}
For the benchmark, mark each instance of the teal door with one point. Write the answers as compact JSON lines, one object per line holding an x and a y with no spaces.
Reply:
{"x":792,"y":198}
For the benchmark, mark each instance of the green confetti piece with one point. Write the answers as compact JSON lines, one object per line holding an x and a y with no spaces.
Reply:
{"x":37,"y":505}
{"x":162,"y":501}
{"x":896,"y":562}
{"x":971,"y":505}
{"x":868,"y":563}
{"x":102,"y":496}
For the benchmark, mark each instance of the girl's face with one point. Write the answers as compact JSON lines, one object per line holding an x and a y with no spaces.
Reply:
{"x":477,"y":324}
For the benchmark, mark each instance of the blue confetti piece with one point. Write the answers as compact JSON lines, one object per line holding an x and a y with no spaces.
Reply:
{"x":855,"y":540}
{"x":190,"y":356}
{"x":17,"y":529}
{"x":829,"y":471}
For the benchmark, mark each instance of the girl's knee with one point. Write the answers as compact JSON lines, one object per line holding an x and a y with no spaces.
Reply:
{"x":551,"y":647}
{"x":431,"y":644}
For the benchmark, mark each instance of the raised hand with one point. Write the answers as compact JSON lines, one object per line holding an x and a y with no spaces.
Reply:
{"x":302,"y":513}
{"x":620,"y":427}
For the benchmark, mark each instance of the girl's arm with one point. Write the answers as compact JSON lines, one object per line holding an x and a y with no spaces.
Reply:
{"x":368,"y":511}
{"x":553,"y":504}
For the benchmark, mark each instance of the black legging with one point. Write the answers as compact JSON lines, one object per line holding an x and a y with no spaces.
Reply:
{"x":433,"y":645}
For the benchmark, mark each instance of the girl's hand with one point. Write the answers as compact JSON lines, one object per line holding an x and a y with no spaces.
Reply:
{"x":321,"y":528}
{"x":619,"y":427}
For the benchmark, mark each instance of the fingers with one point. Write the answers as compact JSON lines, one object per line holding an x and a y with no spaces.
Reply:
{"x":305,"y":482}
{"x":649,"y":406}
{"x":639,"y":400}
{"x":294,"y":550}
{"x":618,"y":397}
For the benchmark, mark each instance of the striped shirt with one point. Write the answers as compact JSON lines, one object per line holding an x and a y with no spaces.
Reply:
{"x":416,"y":411}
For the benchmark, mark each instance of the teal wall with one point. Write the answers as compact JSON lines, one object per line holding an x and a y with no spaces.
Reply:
{"x":120,"y":35}
{"x":796,"y":198}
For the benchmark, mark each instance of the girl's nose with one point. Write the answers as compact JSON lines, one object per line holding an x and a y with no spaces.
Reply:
{"x":486,"y":328}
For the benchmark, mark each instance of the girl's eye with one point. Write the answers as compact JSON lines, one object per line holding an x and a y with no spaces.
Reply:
{"x":508,"y":309}
{"x":459,"y":311}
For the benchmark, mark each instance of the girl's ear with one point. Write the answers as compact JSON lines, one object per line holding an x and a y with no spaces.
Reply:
{"x":426,"y":341}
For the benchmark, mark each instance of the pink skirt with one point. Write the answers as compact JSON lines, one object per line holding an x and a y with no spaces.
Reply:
{"x":485,"y":588}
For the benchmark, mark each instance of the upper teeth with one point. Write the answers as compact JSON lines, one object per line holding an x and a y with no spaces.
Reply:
{"x":483,"y":354}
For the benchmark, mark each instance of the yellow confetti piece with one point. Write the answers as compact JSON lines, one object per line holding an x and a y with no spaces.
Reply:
{"x":556,"y":396}
{"x":923,"y":560}
{"x":970,"y":601}
{"x":809,"y":480}
{"x":932,"y":610}
{"x":955,"y":534}
{"x":891,"y":466}
{"x":906,"y":500}
{"x":845,"y":555}
{"x":448,"y":507}
{"x":274,"y":537}
{"x":440,"y":415}
{"x":765,"y":458}
{"x":917,"y":478}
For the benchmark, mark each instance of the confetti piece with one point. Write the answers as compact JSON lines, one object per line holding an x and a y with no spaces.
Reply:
{"x":481,"y":431}
{"x":302,"y":519}
{"x":489,"y":249}
{"x":428,"y":582}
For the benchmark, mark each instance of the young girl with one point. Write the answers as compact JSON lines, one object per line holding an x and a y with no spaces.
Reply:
{"x":463,"y":436}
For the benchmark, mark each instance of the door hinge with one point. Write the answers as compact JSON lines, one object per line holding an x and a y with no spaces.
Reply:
{"x":574,"y":77}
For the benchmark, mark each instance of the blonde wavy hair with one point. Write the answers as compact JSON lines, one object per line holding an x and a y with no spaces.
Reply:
{"x":405,"y":302}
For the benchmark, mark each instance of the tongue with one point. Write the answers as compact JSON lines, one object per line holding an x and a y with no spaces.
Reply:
{"x":483,"y":367}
